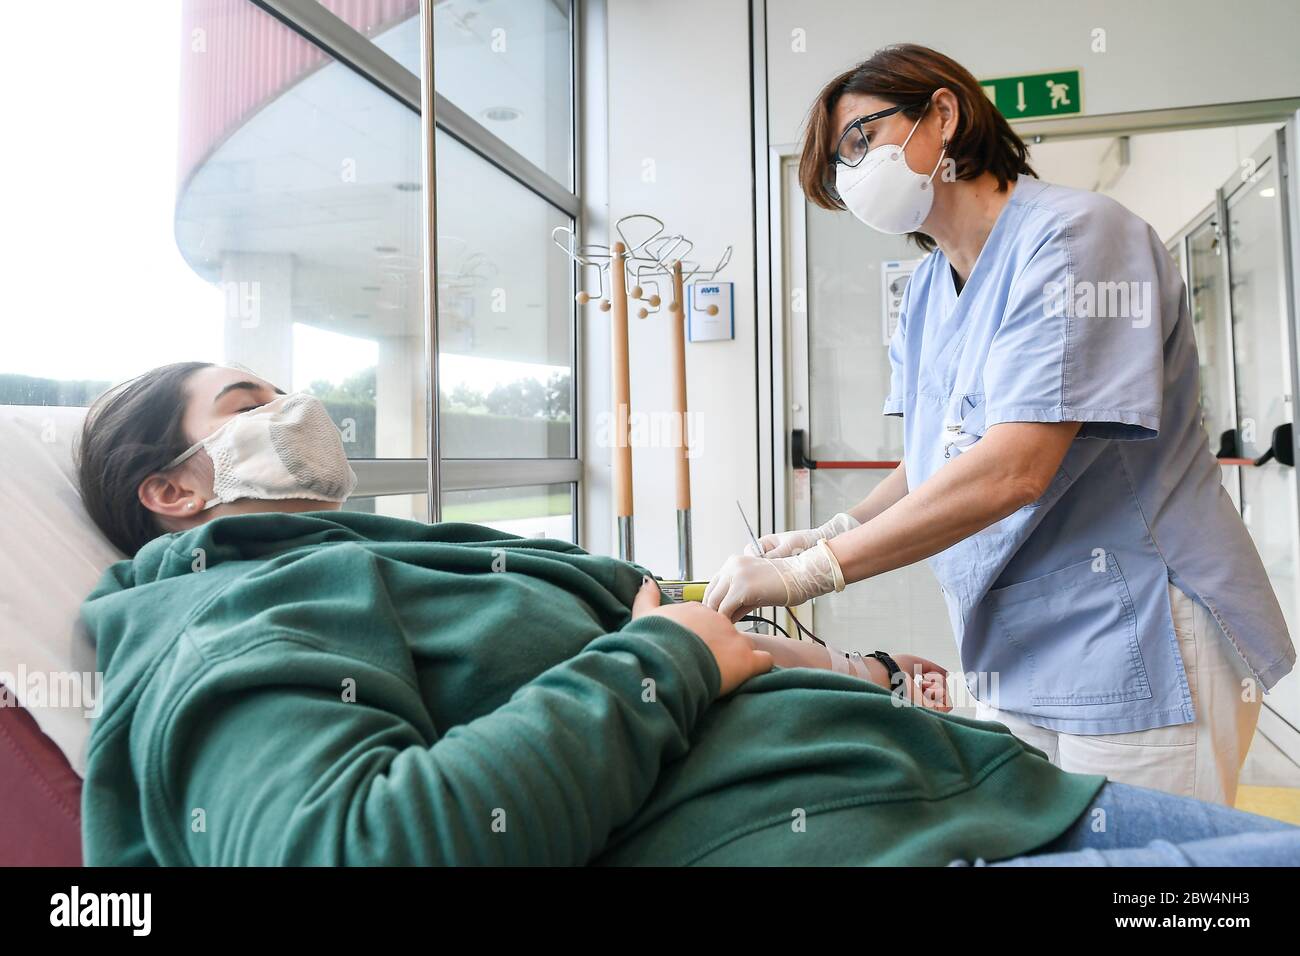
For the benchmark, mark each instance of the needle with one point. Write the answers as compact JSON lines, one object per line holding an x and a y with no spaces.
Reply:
{"x":752,"y":537}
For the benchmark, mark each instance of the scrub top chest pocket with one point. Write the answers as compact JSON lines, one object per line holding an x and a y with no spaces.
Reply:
{"x":1074,"y":633}
{"x":963,"y":425}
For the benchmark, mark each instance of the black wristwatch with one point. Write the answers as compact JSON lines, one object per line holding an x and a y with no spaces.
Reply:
{"x":890,"y":666}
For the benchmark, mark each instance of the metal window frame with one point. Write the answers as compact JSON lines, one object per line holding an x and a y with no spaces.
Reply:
{"x":429,"y":237}
{"x":769,"y":290}
{"x":590,"y":131}
{"x":1139,"y":122}
{"x":433,"y":475}
{"x":314,"y":22}
{"x":405,"y":476}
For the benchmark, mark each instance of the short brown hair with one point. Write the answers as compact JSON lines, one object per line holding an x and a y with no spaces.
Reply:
{"x":132,"y":431}
{"x":908,"y":73}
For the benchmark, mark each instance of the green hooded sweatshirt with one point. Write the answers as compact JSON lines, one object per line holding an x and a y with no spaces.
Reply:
{"x":342,"y":688}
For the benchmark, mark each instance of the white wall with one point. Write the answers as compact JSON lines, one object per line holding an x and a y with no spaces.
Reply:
{"x":679,"y":95}
{"x":679,"y":100}
{"x":1159,"y":53}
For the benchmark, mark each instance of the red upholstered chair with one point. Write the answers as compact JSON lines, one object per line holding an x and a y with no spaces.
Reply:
{"x":40,"y":795}
{"x":51,"y":556}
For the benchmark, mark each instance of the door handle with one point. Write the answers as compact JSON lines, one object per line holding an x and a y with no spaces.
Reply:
{"x":799,"y":450}
{"x":1282,"y":448}
{"x":1228,"y":446}
{"x":799,"y":456}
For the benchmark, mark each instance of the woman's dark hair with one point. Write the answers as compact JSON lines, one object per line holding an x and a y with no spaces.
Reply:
{"x":983,"y":141}
{"x":132,"y":431}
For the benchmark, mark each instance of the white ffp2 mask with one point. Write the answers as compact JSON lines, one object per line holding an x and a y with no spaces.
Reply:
{"x":288,"y":448}
{"x":884,"y":192}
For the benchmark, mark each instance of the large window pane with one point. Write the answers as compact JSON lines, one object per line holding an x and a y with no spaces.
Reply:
{"x":505,"y":315}
{"x":393,"y":24}
{"x":266,"y":214}
{"x":303,"y":205}
{"x":414,"y":507}
{"x":531,"y":511}
{"x":504,"y":62}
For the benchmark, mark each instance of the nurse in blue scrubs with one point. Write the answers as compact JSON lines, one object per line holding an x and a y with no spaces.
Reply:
{"x":1109,"y":606}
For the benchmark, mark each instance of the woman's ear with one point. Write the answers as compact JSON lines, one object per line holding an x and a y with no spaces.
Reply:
{"x":949,"y":109}
{"x":171,"y":497}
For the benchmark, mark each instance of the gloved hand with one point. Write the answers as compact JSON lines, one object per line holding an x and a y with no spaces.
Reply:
{"x":745,"y":582}
{"x":787,"y":543}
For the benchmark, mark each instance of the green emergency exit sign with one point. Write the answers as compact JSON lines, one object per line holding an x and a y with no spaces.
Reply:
{"x":1039,"y":94}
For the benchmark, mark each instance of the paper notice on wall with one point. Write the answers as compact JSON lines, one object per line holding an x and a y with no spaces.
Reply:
{"x":894,"y":274}
{"x":712,"y":311}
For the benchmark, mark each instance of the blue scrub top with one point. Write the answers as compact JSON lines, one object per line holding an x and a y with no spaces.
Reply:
{"x":1075,"y":312}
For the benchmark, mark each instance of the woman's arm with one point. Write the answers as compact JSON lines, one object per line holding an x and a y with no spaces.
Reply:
{"x":922,"y":681}
{"x":1010,"y":467}
{"x":790,"y":653}
{"x":783,"y":544}
{"x":287,"y":770}
{"x":886,"y":494}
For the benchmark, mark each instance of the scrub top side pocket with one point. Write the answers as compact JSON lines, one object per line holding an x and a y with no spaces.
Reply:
{"x":1071,"y":636}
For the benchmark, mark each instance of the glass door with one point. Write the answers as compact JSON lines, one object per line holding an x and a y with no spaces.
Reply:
{"x":1254,"y":203}
{"x":845,"y":279}
{"x":1206,"y":274}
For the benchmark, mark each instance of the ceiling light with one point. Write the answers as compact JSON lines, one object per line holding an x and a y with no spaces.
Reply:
{"x":502,"y":114}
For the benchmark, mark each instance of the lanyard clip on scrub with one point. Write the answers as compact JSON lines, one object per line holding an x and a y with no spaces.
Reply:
{"x":954,"y":437}
{"x":958,"y":416}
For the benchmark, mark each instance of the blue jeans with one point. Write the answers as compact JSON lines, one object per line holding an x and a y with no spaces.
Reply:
{"x":1134,"y":826}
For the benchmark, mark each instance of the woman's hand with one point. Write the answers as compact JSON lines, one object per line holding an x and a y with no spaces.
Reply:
{"x":785,"y":544}
{"x":737,"y":658}
{"x":926,"y":683}
{"x":744,"y":583}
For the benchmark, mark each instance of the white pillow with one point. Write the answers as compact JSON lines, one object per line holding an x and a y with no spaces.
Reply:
{"x":51,"y":557}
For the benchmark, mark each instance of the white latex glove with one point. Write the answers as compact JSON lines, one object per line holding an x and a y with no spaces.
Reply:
{"x":745,"y":582}
{"x":788,"y":543}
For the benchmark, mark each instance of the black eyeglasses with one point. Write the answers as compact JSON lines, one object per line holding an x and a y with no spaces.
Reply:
{"x":852,"y":147}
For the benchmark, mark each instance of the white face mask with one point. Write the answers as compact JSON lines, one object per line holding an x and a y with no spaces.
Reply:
{"x":288,"y":448}
{"x":884,"y":192}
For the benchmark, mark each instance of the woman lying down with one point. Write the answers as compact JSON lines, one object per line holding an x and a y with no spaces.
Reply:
{"x":288,"y":683}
